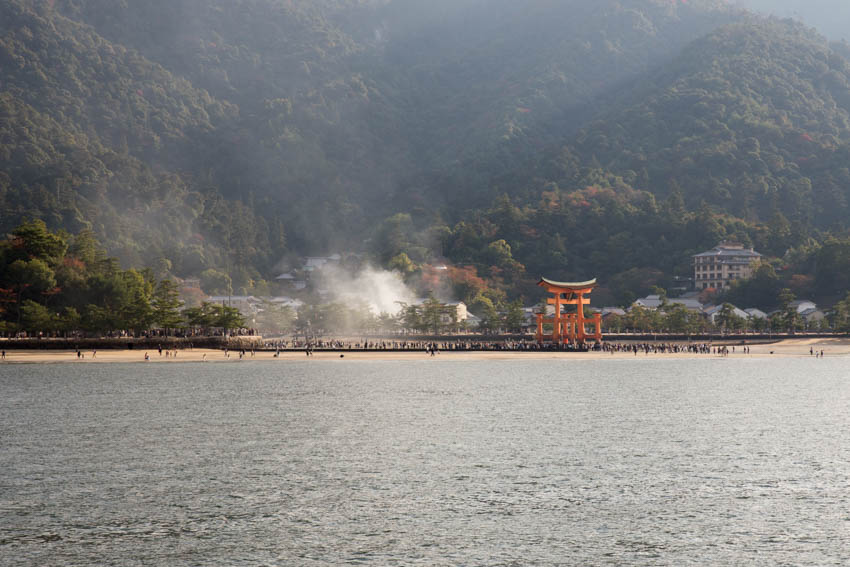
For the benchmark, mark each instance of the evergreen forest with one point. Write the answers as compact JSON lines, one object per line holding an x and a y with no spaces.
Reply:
{"x":159,"y":140}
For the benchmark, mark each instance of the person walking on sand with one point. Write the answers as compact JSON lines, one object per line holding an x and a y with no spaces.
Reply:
{"x":3,"y":355}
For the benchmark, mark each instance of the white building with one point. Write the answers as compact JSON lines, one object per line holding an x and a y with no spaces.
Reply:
{"x":719,"y":267}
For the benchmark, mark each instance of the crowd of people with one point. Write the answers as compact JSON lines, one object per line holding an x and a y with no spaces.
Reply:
{"x":386,"y":345}
{"x":671,"y":348}
{"x":471,"y":345}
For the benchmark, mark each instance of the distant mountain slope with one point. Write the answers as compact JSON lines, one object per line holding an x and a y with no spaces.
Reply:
{"x":352,"y":109}
{"x":483,"y":74}
{"x":443,"y":81}
{"x":745,"y":119}
{"x":97,"y":87}
{"x":89,"y":133}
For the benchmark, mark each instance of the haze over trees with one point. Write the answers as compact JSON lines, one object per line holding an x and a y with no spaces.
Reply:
{"x":830,"y":17}
{"x":613,"y":138}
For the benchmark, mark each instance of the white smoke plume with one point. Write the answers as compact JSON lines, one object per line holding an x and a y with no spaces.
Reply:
{"x":381,"y":290}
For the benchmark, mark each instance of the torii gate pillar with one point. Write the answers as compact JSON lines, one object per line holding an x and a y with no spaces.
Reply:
{"x":569,"y":327}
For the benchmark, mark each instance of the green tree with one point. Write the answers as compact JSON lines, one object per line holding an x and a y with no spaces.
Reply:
{"x":228,"y":318}
{"x":36,"y":241}
{"x":212,"y":315}
{"x":789,"y":312}
{"x":676,"y":318}
{"x":86,"y":248}
{"x":432,"y":315}
{"x":833,"y":266}
{"x":402,"y":263}
{"x":410,"y":317}
{"x":201,"y":316}
{"x":134,"y":301}
{"x":98,"y":319}
{"x":841,"y":315}
{"x":727,"y":320}
{"x":393,"y":236}
{"x":514,"y":316}
{"x":760,"y":290}
{"x":166,"y":304}
{"x":643,"y":319}
{"x":275,"y":318}
{"x":36,"y":317}
{"x":70,"y":320}
{"x":215,"y":282}
{"x":491,"y":321}
{"x":31,"y":279}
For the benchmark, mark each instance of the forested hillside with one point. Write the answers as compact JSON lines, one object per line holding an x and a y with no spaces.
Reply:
{"x":751,"y":119}
{"x":610,"y":138}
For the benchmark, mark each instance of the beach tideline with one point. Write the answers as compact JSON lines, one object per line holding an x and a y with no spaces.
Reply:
{"x":788,"y":347}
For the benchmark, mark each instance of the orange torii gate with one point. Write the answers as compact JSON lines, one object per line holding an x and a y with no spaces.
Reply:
{"x":569,"y":327}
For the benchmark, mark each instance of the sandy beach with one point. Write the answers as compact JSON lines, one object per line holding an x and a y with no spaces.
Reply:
{"x":786,"y":348}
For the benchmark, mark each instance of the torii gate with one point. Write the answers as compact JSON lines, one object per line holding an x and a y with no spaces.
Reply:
{"x":569,"y":327}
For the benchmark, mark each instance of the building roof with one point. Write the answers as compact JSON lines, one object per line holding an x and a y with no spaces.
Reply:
{"x":724,"y":251}
{"x":613,"y":311}
{"x":654,"y":302}
{"x":284,"y":300}
{"x":756,"y":313}
{"x":715,"y":309}
{"x":692,"y":304}
{"x":803,"y":305}
{"x":237,"y":298}
{"x":421,"y":300}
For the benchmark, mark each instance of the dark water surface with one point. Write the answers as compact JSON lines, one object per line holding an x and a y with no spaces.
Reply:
{"x":429,"y":462}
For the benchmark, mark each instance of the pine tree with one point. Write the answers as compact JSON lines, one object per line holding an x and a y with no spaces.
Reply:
{"x":166,"y":305}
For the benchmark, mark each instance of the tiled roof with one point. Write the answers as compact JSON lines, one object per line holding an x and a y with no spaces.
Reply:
{"x":722,"y":252}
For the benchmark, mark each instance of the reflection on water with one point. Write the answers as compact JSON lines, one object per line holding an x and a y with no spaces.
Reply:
{"x":660,"y":462}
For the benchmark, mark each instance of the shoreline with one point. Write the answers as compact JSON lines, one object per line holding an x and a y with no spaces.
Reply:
{"x":832,"y":347}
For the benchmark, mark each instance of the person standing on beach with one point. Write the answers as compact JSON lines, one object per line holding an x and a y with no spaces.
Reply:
{"x":3,"y":355}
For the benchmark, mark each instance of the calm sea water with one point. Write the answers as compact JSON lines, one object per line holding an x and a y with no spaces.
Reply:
{"x":428,"y":462}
